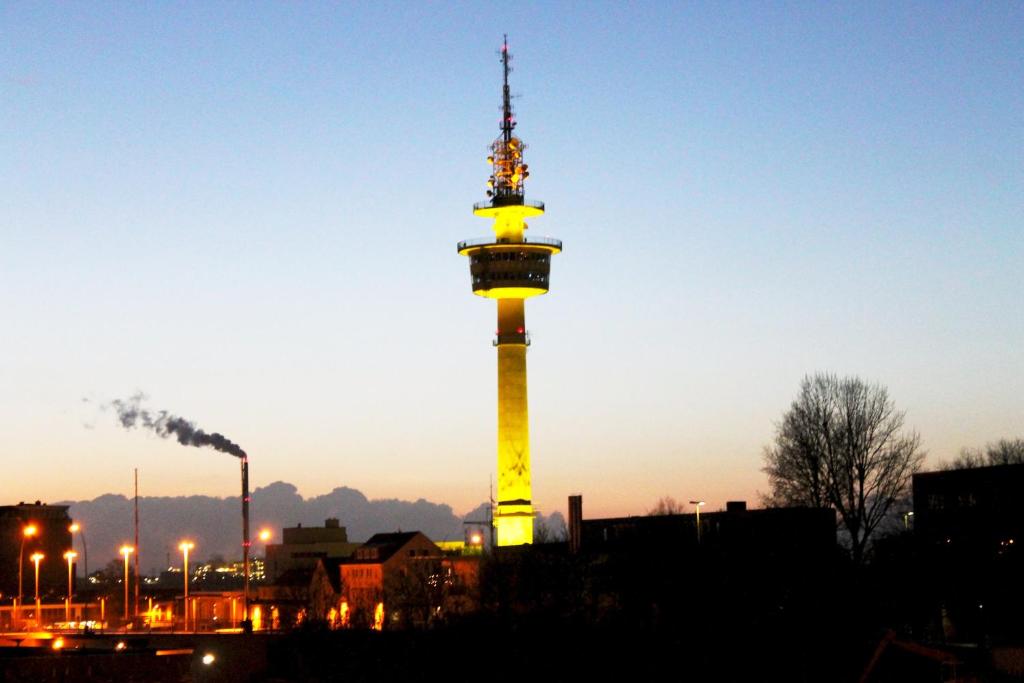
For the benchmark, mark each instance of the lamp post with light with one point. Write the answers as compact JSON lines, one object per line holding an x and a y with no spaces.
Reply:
{"x":184,"y":547}
{"x":264,"y":537}
{"x":28,"y":531}
{"x":70,"y":557}
{"x":126,"y":550}
{"x":37,"y":557}
{"x":77,"y":528}
{"x":906,"y":520}
{"x":699,"y":504}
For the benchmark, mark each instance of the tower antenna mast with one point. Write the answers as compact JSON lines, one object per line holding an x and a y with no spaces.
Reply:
{"x":507,"y":120}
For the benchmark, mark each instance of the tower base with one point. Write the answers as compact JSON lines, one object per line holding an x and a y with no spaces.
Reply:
{"x":514,"y":524}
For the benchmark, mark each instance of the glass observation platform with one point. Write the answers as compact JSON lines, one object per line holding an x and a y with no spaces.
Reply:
{"x":510,"y":269}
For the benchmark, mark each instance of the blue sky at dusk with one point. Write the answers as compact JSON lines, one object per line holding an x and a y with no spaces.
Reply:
{"x":249,"y":211}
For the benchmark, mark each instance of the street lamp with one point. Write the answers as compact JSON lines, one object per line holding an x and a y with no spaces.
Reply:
{"x":184,"y":547}
{"x":906,"y":519}
{"x":126,"y":550}
{"x":264,"y":537}
{"x":70,"y":557}
{"x":36,"y":557}
{"x":77,"y":528}
{"x":28,"y":531}
{"x":699,"y":504}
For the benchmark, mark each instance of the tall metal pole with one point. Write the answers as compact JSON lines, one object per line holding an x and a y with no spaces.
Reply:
{"x":70,"y":557}
{"x":136,"y":611}
{"x":21,"y":567}
{"x":27,"y":531}
{"x":75,"y":526}
{"x":36,"y":557}
{"x":126,"y":603}
{"x":185,"y":548}
{"x":246,"y":621}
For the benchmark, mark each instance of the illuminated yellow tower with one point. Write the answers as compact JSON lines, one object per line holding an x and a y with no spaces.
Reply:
{"x":510,"y":267}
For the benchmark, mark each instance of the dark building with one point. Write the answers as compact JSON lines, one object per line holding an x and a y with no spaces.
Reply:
{"x":51,"y":537}
{"x":302,"y":547}
{"x":969,"y":527}
{"x":976,"y":511}
{"x":737,"y":531}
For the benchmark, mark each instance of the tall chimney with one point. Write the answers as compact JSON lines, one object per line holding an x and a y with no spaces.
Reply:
{"x":575,"y":523}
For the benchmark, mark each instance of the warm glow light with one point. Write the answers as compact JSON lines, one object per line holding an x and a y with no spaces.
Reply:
{"x":208,"y":659}
{"x":186,"y":545}
{"x":510,"y":292}
{"x":378,"y":617}
{"x":30,"y":530}
{"x":36,"y":557}
{"x":476,"y":539}
{"x":120,"y":645}
{"x":58,"y":643}
{"x":265,"y":535}
{"x":74,"y":527}
{"x":70,"y":555}
{"x":127,"y":550}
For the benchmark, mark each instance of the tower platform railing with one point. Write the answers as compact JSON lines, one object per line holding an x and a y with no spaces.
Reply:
{"x":491,"y":204}
{"x":487,"y":241}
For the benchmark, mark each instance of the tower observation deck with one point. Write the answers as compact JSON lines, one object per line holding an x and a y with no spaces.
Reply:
{"x":510,"y":267}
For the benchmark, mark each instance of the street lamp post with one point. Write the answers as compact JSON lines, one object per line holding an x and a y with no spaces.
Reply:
{"x":77,"y":528}
{"x":37,"y":557}
{"x":699,"y":504}
{"x":28,"y":531}
{"x":906,"y":520}
{"x":70,"y":557}
{"x":126,"y":550}
{"x":184,"y":548}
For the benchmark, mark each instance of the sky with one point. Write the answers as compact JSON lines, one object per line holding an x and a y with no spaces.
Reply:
{"x":248,"y":211}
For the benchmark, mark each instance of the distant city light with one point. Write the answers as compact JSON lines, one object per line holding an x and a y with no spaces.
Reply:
{"x":209,"y":659}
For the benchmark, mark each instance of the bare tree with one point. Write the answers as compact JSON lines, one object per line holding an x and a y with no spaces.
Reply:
{"x":841,"y":445}
{"x":667,"y":505}
{"x":1005,"y":452}
{"x":967,"y":459}
{"x":1002,"y":452}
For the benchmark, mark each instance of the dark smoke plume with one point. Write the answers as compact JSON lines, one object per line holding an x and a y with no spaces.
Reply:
{"x":131,"y":414}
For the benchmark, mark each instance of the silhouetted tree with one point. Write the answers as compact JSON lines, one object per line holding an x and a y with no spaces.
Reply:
{"x":667,"y":505}
{"x":550,"y":530}
{"x":415,"y":593}
{"x":1002,"y":452}
{"x":841,"y":445}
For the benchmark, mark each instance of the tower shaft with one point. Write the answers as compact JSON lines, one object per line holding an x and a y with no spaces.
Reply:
{"x":514,"y":517}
